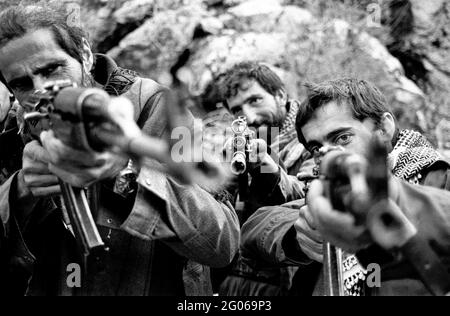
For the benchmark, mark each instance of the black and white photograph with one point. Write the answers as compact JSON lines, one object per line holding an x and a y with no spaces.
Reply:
{"x":226,"y":155}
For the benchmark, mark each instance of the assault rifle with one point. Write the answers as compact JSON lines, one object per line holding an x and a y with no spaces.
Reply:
{"x":360,"y":185}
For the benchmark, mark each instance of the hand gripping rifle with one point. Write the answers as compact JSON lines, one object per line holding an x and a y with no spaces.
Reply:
{"x":89,"y":119}
{"x":361,"y":186}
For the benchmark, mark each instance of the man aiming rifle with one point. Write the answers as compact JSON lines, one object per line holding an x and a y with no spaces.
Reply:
{"x":161,"y":236}
{"x":348,"y":113}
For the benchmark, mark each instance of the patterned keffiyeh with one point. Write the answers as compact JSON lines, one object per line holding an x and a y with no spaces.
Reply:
{"x":289,"y":123}
{"x":412,"y":154}
{"x":283,"y":144}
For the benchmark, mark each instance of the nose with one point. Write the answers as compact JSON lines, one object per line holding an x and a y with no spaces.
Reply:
{"x":250,"y":114}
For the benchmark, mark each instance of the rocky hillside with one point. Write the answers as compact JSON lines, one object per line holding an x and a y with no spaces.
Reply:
{"x":401,"y":45}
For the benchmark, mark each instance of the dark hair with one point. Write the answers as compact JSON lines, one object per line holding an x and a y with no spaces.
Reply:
{"x":17,"y":21}
{"x":232,"y":80}
{"x":364,"y":99}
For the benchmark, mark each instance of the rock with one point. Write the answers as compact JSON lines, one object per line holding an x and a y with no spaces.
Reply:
{"x":425,"y":11}
{"x":137,"y":10}
{"x":378,"y":51}
{"x":407,"y":93}
{"x":212,"y":25}
{"x":423,"y":47}
{"x":256,"y":7}
{"x":155,"y":46}
{"x":216,"y":54}
{"x":267,"y":19}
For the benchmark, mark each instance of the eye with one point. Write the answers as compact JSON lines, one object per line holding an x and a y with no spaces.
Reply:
{"x":255,"y":100}
{"x":51,"y":70}
{"x":344,"y":139}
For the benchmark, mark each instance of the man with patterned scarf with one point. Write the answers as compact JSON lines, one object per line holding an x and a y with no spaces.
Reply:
{"x":347,"y":113}
{"x":254,"y":91}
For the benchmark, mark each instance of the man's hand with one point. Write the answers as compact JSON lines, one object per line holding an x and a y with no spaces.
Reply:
{"x":308,"y":237}
{"x":336,"y":227}
{"x":35,"y":177}
{"x":80,"y":168}
{"x":258,"y":157}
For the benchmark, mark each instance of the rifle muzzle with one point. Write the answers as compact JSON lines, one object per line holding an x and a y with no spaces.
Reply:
{"x":239,"y":163}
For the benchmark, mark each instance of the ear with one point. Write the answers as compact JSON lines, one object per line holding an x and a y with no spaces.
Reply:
{"x":387,"y":127}
{"x":87,"y":55}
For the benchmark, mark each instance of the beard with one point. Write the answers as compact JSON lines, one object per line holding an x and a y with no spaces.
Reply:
{"x":279,"y":117}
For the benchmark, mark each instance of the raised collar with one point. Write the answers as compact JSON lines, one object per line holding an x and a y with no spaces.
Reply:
{"x":103,"y":69}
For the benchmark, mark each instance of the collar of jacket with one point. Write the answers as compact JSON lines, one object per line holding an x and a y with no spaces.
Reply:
{"x":114,"y":79}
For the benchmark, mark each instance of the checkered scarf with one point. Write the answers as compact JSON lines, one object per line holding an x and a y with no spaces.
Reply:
{"x":287,"y":131}
{"x":289,"y":123}
{"x":411,"y":155}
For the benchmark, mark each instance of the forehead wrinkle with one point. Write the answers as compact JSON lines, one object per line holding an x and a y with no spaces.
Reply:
{"x":28,"y":51}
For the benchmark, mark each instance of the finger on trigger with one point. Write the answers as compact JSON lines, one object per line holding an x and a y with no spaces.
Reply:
{"x":40,"y":180}
{"x":46,"y":192}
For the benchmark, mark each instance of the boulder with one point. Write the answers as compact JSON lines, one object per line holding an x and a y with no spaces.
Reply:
{"x":136,"y":10}
{"x":423,"y":47}
{"x":266,"y":19}
{"x":156,"y":45}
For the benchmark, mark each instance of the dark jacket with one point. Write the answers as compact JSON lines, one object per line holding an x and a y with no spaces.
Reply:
{"x":160,"y":242}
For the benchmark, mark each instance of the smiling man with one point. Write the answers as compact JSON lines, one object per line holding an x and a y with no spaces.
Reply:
{"x":253,"y":90}
{"x":162,"y":236}
{"x":348,"y":113}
